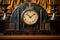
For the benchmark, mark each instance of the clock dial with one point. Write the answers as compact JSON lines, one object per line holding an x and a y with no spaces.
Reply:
{"x":30,"y":17}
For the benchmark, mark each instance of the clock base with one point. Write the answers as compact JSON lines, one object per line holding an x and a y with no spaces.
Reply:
{"x":28,"y":32}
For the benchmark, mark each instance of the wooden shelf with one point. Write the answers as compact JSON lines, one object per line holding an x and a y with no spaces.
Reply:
{"x":30,"y":37}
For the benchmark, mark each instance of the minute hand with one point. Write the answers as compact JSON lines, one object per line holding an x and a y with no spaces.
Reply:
{"x":32,"y":15}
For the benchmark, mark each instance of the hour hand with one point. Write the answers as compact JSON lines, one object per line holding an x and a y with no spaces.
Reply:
{"x":28,"y":15}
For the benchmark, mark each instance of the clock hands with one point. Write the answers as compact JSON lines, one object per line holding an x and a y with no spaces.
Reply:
{"x":30,"y":16}
{"x":33,"y":15}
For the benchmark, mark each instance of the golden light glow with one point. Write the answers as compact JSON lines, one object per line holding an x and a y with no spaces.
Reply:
{"x":14,"y":3}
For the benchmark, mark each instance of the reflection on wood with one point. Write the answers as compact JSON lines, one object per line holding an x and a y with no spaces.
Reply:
{"x":30,"y":37}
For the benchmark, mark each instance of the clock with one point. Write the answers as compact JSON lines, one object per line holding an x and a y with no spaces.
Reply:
{"x":30,"y":16}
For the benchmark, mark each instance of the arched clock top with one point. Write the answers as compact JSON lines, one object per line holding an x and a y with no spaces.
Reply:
{"x":22,"y":7}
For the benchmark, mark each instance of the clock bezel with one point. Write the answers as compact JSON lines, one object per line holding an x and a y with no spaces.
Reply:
{"x":29,"y":9}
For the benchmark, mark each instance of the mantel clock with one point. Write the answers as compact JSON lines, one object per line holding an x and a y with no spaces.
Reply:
{"x":29,"y":17}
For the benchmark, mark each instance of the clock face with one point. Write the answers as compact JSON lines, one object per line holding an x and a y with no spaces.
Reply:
{"x":30,"y":17}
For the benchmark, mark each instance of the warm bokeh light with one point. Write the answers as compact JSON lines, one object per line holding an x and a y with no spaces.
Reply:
{"x":14,"y":3}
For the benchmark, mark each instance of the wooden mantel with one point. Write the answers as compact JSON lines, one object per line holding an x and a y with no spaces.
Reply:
{"x":30,"y":37}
